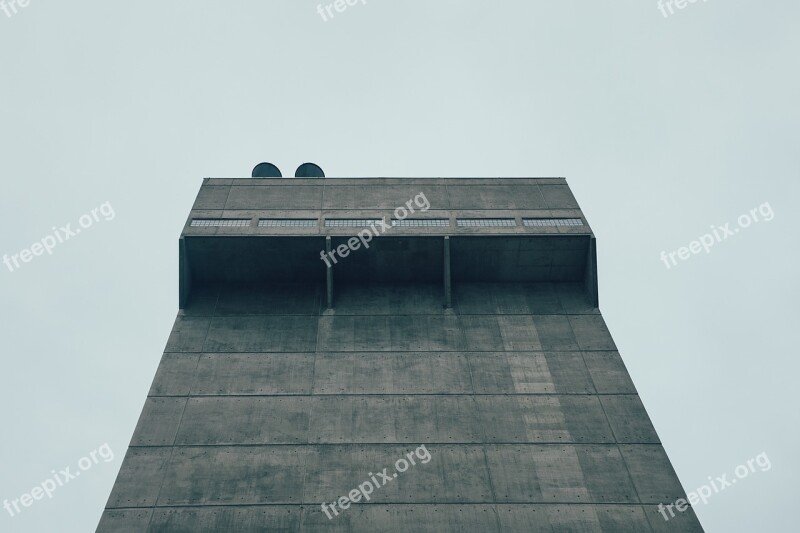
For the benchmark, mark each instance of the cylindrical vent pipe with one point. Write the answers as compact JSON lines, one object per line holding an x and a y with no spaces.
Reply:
{"x":266,"y":170}
{"x":309,"y":170}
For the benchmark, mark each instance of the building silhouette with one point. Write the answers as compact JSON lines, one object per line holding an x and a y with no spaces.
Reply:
{"x":305,"y":360}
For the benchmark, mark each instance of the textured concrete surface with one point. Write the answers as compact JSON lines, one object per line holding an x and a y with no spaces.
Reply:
{"x":266,"y":403}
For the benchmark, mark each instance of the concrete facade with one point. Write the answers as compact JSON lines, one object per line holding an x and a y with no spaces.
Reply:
{"x":286,"y":384}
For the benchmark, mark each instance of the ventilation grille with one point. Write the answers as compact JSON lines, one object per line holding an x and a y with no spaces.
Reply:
{"x":350,"y":222}
{"x":486,"y":222}
{"x":220,"y":222}
{"x":421,"y":223}
{"x":287,"y":223}
{"x":551,"y":222}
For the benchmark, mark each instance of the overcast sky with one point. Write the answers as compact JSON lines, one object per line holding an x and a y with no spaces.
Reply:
{"x":663,"y":127}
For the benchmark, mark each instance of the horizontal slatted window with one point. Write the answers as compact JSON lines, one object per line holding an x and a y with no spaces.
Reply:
{"x":551,"y":222}
{"x":421,"y":223}
{"x":350,"y":222}
{"x":486,"y":222}
{"x":220,"y":222}
{"x":287,"y":223}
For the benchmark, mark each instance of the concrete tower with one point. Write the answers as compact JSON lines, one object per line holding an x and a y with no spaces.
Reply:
{"x":416,"y":354}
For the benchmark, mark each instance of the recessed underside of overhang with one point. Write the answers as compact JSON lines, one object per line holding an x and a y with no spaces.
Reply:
{"x":209,"y":261}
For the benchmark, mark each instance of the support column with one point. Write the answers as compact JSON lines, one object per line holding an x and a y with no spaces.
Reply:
{"x":184,"y":274}
{"x":590,"y":277}
{"x":329,"y":274}
{"x":448,"y":298}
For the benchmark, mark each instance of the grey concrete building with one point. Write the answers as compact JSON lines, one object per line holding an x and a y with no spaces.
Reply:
{"x":470,"y":326}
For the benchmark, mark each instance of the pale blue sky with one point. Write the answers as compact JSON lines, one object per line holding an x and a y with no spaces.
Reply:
{"x":662,"y":126}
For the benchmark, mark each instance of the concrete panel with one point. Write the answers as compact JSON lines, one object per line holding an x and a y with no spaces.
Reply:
{"x":426,"y":373}
{"x":534,"y":259}
{"x":338,"y":373}
{"x":158,"y":423}
{"x":418,"y":518}
{"x":372,"y":299}
{"x":437,"y":419}
{"x":201,"y":301}
{"x":237,"y":420}
{"x":389,"y":259}
{"x":355,"y":334}
{"x":409,"y":373}
{"x":273,"y":518}
{"x":620,"y":518}
{"x":573,"y":518}
{"x":506,"y":298}
{"x":573,"y":242}
{"x":212,"y":197}
{"x":255,"y":197}
{"x":333,"y":471}
{"x":605,"y":474}
{"x":496,"y":197}
{"x":387,"y":197}
{"x":249,"y":258}
{"x":591,"y":332}
{"x":498,"y":259}
{"x":568,"y":265}
{"x":482,"y":333}
{"x":574,"y":300}
{"x":221,"y":475}
{"x":369,"y":518}
{"x":454,"y":474}
{"x":393,"y":419}
{"x":608,"y":372}
{"x":566,"y":272}
{"x":555,"y":333}
{"x":558,"y":197}
{"x":262,"y":334}
{"x":459,"y":474}
{"x":255,"y":373}
{"x":629,"y":420}
{"x":124,"y":521}
{"x":529,"y":373}
{"x":289,"y":299}
{"x":174,"y":375}
{"x":551,"y":419}
{"x":567,"y":375}
{"x":492,"y":373}
{"x":139,"y":478}
{"x":519,"y":333}
{"x":556,"y":473}
{"x":652,"y":473}
{"x":188,"y":334}
{"x":348,"y":419}
{"x":499,"y":333}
